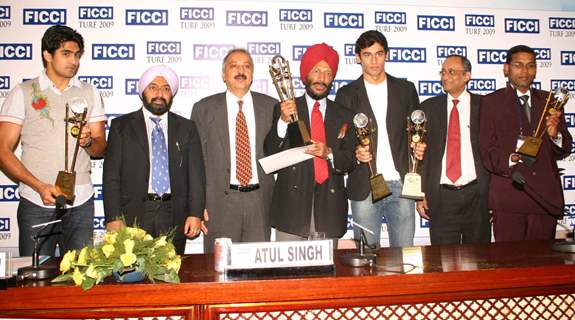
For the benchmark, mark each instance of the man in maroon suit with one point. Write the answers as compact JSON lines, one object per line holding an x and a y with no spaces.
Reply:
{"x":526,"y":197}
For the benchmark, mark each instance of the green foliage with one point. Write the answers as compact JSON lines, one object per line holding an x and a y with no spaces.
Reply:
{"x":128,"y":249}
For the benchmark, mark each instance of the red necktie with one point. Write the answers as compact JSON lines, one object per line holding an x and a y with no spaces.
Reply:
{"x":453,"y":161}
{"x":243,"y":156}
{"x":318,"y":134}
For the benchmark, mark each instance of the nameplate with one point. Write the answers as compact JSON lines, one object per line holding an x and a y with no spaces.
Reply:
{"x":283,"y":254}
{"x":4,"y":272}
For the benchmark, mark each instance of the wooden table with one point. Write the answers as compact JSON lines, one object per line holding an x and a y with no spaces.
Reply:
{"x":495,"y":281}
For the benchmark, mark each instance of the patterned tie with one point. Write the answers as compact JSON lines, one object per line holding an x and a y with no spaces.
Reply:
{"x":243,"y":156}
{"x":525,"y":102}
{"x":318,"y":134}
{"x":160,"y":167}
{"x":453,"y":161}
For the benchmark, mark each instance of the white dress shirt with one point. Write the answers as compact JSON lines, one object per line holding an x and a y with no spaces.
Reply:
{"x":468,"y":173}
{"x":248,"y":110}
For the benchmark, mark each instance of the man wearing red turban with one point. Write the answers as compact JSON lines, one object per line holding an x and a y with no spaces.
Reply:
{"x":310,"y":196}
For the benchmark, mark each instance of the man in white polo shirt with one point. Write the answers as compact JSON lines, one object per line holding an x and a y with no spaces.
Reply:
{"x":33,"y":113}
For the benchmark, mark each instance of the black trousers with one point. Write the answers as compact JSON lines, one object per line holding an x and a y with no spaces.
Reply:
{"x":159,"y":219}
{"x":461,"y":218}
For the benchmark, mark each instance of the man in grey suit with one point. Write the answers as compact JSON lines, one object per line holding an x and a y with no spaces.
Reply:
{"x":454,"y":179}
{"x":232,"y":127}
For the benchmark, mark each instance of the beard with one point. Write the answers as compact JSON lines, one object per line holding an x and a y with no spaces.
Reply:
{"x":157,"y":106}
{"x":318,"y":96}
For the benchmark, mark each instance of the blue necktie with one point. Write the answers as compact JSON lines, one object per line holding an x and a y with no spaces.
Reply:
{"x":160,"y":168}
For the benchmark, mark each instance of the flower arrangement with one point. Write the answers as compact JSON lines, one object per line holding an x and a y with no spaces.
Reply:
{"x":129,"y":249}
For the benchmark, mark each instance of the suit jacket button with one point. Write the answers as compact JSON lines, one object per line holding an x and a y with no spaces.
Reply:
{"x":534,"y":173}
{"x":293,"y":168}
{"x":295,"y":187}
{"x":226,"y":193}
{"x":332,"y":190}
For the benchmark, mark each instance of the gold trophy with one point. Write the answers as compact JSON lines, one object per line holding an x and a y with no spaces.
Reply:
{"x":281,"y":77}
{"x":556,"y":99}
{"x":364,"y":129}
{"x":66,"y":180}
{"x":415,"y":133}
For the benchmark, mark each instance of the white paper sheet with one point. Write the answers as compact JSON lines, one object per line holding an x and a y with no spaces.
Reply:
{"x":284,"y":159}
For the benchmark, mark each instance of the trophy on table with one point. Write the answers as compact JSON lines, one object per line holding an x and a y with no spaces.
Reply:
{"x":556,"y":100}
{"x":66,"y":179}
{"x":415,"y":133}
{"x":281,"y":77}
{"x":363,"y":130}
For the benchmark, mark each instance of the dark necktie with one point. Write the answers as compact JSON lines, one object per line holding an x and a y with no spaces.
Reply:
{"x":453,"y":158}
{"x":525,"y":102}
{"x":318,"y":134}
{"x":160,"y":167}
{"x":243,"y":156}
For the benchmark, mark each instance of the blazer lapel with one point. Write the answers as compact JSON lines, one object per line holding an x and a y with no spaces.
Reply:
{"x":303,"y":111}
{"x":442,"y":121}
{"x":138,"y":126}
{"x":220,"y":121}
{"x":259,"y":113}
{"x":174,"y":151}
{"x":368,"y":110}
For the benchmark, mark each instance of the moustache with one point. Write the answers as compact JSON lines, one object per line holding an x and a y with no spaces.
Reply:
{"x":240,"y":77}
{"x":320,"y":83}
{"x":155,"y":100}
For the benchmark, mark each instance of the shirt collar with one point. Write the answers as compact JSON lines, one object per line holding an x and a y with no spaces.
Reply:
{"x":519,"y":93}
{"x":247,"y":98}
{"x":311,"y":101}
{"x":46,"y":83}
{"x":148,"y":115}
{"x":463,"y":98}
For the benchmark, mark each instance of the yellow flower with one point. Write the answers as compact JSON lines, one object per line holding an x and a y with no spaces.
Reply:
{"x":67,"y":261}
{"x":92,"y":272}
{"x":83,"y":256}
{"x":78,"y":277}
{"x":129,"y":245}
{"x":110,"y":237}
{"x":128,"y":259}
{"x":171,"y":253}
{"x":160,"y":242}
{"x":148,"y":237}
{"x":108,"y":249}
{"x":131,"y":231}
{"x":140,"y":233}
{"x":174,"y":264}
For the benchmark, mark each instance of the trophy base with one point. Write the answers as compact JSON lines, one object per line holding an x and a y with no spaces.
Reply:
{"x":412,"y":187}
{"x":298,"y":134}
{"x":379,"y":189}
{"x":65,"y":183}
{"x":529,"y":149}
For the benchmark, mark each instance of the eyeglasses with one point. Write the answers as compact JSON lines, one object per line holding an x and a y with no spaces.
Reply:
{"x":521,"y":65}
{"x":162,"y":89}
{"x":451,"y":72}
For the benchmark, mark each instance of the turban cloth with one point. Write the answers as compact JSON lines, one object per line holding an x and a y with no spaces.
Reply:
{"x":158,"y":71}
{"x":315,"y":54}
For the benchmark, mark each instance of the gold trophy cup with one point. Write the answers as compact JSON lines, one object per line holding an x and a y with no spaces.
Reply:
{"x":363,"y":130}
{"x":556,"y":100}
{"x":281,"y":77}
{"x":415,"y":133}
{"x":66,"y":179}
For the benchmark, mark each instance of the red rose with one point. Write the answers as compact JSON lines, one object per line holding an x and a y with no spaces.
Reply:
{"x":39,"y":104}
